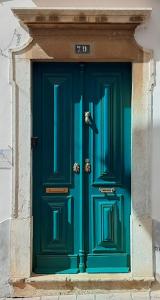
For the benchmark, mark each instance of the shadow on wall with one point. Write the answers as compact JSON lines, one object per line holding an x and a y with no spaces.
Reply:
{"x":155,"y":194}
{"x":93,"y":3}
{"x":89,"y":3}
{"x":147,"y":35}
{"x":156,"y":238}
{"x":156,"y":225}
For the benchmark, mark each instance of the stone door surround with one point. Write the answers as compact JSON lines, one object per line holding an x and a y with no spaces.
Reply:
{"x":53,"y":35}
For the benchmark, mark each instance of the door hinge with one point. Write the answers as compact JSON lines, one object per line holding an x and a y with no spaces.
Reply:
{"x":34,"y":141}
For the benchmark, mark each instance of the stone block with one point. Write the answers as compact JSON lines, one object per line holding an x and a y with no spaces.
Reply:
{"x":67,"y":297}
{"x":140,"y":296}
{"x":86,"y":297}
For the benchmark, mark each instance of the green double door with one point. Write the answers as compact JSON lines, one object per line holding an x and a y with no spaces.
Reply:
{"x":81,"y":167}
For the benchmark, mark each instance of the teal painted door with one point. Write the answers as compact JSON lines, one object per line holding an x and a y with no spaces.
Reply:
{"x":81,"y":167}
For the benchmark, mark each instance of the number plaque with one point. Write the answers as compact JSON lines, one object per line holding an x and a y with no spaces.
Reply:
{"x":82,"y":49}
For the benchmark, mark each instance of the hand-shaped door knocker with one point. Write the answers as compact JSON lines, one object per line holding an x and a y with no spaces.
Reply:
{"x":87,"y":117}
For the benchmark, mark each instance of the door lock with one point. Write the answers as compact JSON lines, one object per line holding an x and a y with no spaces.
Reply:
{"x":87,"y":166}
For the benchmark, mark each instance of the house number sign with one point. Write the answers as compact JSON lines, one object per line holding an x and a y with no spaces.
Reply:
{"x":82,"y":49}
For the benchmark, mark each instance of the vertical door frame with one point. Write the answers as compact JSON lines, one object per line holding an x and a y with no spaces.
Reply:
{"x":142,"y":84}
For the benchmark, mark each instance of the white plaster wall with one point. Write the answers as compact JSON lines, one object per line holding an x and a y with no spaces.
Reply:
{"x":12,"y":35}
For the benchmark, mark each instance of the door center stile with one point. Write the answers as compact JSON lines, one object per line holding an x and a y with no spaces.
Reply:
{"x":82,"y":266}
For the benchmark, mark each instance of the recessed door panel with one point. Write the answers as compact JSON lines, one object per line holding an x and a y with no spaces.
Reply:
{"x":58,"y":229}
{"x":107,"y":224}
{"x":57,"y":133}
{"x":105,"y":104}
{"x":81,"y":167}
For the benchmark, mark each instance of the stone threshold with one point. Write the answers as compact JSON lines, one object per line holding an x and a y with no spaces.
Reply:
{"x":74,"y":284}
{"x":86,"y":277}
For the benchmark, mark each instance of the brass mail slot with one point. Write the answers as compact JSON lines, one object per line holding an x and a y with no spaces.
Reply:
{"x":61,"y":190}
{"x":107,"y":190}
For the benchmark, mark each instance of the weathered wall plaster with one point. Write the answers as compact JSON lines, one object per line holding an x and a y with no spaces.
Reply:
{"x":49,"y":44}
{"x":5,"y":258}
{"x":11,"y":36}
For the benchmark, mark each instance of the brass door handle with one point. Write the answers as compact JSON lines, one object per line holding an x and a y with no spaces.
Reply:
{"x":87,"y":166}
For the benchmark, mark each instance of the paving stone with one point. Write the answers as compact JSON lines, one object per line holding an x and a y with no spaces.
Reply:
{"x":140,"y":296}
{"x":107,"y":296}
{"x":101,"y":297}
{"x":155,"y":295}
{"x":85,"y":297}
{"x":114,"y":296}
{"x":67,"y":297}
{"x":47,"y":298}
{"x":119,"y":296}
{"x":29,"y":298}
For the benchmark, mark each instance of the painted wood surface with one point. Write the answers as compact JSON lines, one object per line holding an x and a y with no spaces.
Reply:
{"x":84,"y":230}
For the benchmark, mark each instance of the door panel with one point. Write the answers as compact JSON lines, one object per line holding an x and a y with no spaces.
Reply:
{"x":105,"y":146}
{"x":109,"y":213}
{"x":84,"y":229}
{"x":57,"y":133}
{"x":57,"y":230}
{"x":56,"y":105}
{"x":106,"y":139}
{"x":107,"y":224}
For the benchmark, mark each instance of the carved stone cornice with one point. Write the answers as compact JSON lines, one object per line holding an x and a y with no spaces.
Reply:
{"x":89,"y":18}
{"x":108,"y":32}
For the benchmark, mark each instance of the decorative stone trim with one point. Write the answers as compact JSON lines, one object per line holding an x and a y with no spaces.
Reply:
{"x":51,"y":16}
{"x":55,"y":42}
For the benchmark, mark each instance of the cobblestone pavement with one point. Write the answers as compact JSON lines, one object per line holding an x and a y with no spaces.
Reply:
{"x":108,"y":296}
